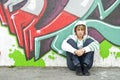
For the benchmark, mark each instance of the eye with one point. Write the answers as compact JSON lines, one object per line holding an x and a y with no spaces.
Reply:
{"x":78,"y":29}
{"x":82,"y":29}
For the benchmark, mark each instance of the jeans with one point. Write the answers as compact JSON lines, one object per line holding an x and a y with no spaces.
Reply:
{"x":74,"y":60}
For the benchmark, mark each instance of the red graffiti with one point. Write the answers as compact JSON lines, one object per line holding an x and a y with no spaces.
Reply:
{"x":22,"y":24}
{"x":2,"y":15}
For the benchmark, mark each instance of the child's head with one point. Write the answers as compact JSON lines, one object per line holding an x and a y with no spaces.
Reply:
{"x":80,"y":30}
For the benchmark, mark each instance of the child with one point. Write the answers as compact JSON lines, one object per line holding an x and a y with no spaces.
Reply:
{"x":80,"y":48}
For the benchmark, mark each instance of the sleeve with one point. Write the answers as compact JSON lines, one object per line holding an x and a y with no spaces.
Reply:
{"x":93,"y":46}
{"x":67,"y":47}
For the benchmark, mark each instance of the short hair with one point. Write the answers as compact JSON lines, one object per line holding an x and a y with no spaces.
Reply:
{"x":84,"y":26}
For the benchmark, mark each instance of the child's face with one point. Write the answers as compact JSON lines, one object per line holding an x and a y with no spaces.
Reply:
{"x":80,"y":31}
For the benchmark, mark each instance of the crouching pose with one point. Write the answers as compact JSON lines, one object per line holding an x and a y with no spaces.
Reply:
{"x":80,"y":48}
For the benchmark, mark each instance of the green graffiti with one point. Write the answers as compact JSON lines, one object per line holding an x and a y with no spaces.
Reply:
{"x":52,"y":56}
{"x":104,"y":49}
{"x":20,"y":60}
{"x":117,"y":55}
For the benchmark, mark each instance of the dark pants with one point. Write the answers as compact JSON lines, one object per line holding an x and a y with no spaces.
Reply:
{"x":74,"y":60}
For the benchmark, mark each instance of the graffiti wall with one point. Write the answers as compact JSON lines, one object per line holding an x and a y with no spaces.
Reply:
{"x":31,"y":31}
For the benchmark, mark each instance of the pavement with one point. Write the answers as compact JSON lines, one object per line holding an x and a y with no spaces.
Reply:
{"x":56,"y":73}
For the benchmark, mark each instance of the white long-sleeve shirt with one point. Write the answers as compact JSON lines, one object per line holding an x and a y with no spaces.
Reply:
{"x":93,"y":46}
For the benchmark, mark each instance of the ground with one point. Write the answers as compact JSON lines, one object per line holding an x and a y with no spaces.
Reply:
{"x":56,"y":73}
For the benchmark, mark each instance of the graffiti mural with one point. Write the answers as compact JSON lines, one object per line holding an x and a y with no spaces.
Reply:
{"x":40,"y":26}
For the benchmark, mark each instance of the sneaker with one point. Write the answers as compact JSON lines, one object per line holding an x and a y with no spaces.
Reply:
{"x":85,"y":71}
{"x":79,"y":71}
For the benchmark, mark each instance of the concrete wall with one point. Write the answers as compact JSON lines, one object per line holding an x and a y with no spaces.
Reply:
{"x":31,"y":31}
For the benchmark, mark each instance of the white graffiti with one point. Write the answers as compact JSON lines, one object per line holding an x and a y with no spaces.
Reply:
{"x":114,"y":50}
{"x":78,"y":7}
{"x":11,"y":3}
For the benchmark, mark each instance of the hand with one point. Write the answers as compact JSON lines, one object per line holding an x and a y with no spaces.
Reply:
{"x":80,"y":52}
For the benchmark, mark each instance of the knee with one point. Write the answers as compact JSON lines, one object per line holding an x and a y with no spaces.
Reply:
{"x":87,"y":42}
{"x":72,"y":43}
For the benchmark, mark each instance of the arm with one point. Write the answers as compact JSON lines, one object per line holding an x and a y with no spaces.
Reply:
{"x":93,"y":46}
{"x":67,"y":47}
